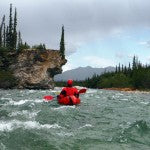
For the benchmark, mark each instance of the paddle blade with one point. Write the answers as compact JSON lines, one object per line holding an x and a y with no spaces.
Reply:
{"x":82,"y":91}
{"x":48,"y":97}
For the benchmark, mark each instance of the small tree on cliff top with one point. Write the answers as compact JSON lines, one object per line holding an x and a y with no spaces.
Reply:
{"x":62,"y":44}
{"x":15,"y":31}
{"x":10,"y":30}
{"x":1,"y":31}
{"x":8,"y":37}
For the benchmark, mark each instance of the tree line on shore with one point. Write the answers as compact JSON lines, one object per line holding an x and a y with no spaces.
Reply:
{"x":135,"y":75}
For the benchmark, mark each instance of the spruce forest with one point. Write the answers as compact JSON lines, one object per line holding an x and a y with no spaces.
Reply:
{"x":135,"y":76}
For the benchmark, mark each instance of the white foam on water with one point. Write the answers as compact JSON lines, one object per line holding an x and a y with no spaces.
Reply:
{"x":6,"y":98}
{"x":57,"y":89}
{"x":14,"y":124}
{"x":64,"y":107}
{"x":97,"y":96}
{"x":91,"y":91}
{"x":8,"y":94}
{"x":18,"y":102}
{"x":54,"y":91}
{"x":31,"y":91}
{"x":100,"y":92}
{"x":31,"y":105}
{"x":120,"y":94}
{"x":21,"y":102}
{"x":63,"y":134}
{"x":80,"y":87}
{"x":37,"y":125}
{"x":37,"y":101}
{"x":86,"y":125}
{"x":124,"y":99}
{"x":5,"y":126}
{"x":25,"y":113}
{"x":144,"y":103}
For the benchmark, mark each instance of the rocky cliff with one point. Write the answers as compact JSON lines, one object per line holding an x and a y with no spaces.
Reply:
{"x":34,"y":69}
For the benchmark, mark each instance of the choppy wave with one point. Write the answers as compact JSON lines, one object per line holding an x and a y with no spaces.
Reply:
{"x":145,"y":103}
{"x":85,"y":126}
{"x":134,"y":132}
{"x":124,"y":99}
{"x":65,"y":134}
{"x":64,"y":107}
{"x":104,"y":120}
{"x":25,"y":113}
{"x":140,"y":126}
{"x":6,"y":98}
{"x":21,"y":102}
{"x":14,"y":124}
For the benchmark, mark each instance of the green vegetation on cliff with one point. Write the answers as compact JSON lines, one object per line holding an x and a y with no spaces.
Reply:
{"x":7,"y":80}
{"x":12,"y":45}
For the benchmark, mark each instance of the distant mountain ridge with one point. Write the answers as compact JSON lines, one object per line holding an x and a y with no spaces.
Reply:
{"x":81,"y":73}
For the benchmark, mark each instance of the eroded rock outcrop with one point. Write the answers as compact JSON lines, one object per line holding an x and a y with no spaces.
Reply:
{"x":35,"y":69}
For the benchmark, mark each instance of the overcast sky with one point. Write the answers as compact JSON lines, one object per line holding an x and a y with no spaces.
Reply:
{"x":98,"y":33}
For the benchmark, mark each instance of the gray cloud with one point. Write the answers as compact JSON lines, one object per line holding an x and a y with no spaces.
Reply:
{"x":84,"y":20}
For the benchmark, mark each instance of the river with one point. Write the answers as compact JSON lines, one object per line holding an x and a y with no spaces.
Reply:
{"x":104,"y":120}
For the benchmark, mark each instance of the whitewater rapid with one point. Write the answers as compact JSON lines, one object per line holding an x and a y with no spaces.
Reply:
{"x":103,"y":120}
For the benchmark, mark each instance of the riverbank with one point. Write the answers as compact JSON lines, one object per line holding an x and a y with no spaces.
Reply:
{"x":128,"y":90}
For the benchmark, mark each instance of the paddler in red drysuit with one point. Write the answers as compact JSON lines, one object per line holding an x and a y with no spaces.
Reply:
{"x":69,"y":90}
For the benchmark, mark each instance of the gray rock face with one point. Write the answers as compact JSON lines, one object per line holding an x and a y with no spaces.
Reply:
{"x":35,"y":69}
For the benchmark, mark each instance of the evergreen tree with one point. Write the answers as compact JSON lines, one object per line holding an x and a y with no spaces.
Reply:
{"x":24,"y":46}
{"x":139,"y":66}
{"x":4,"y":35}
{"x":62,"y":44}
{"x":116,"y":71}
{"x":125,"y":70}
{"x":129,"y":68}
{"x":19,"y":42}
{"x":1,"y":31}
{"x":39,"y":47}
{"x":119,"y":69}
{"x":138,"y":78}
{"x":122,"y":69}
{"x":135,"y":63}
{"x":44,"y":47}
{"x":10,"y":30}
{"x":7,"y":37}
{"x":146,"y":66}
{"x":15,"y":30}
{"x":1,"y":34}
